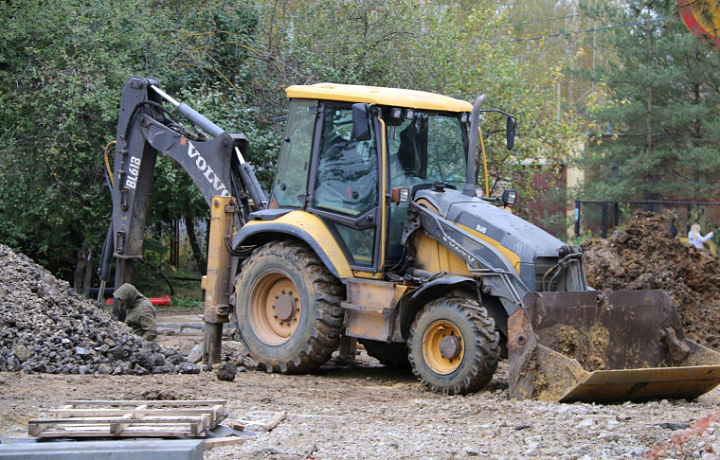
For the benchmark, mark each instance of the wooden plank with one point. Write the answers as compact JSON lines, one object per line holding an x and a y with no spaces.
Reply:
{"x":118,"y":417}
{"x":116,"y":428}
{"x":151,"y":419}
{"x":35,"y":430}
{"x":275,"y":421}
{"x":59,"y":413}
{"x":225,"y":441}
{"x":130,"y":431}
{"x":272,"y":419}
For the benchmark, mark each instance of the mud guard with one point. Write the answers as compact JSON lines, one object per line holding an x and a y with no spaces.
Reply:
{"x":415,"y":300}
{"x":301,"y":226}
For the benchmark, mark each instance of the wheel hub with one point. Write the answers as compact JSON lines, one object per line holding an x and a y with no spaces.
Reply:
{"x":275,"y":308}
{"x":442,"y":346}
{"x":285,"y":306}
{"x":450,"y":347}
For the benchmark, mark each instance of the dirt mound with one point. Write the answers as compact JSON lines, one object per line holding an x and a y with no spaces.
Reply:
{"x":45,"y":326}
{"x":646,"y":256}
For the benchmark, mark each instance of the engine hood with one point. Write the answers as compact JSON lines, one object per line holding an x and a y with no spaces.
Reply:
{"x":519,"y":240}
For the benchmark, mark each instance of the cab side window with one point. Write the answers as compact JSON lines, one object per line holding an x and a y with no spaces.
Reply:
{"x":347,"y":179}
{"x":290,"y":185}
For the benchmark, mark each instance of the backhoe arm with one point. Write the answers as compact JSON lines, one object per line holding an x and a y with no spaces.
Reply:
{"x":216,"y":166}
{"x":145,"y":127}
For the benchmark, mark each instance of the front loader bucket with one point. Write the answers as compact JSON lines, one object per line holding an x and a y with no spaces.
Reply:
{"x":604,"y":346}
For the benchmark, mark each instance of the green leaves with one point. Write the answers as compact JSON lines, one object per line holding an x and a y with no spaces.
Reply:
{"x":662,"y":102}
{"x":63,"y":66}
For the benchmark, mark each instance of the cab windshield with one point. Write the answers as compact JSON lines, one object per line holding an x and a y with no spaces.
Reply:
{"x":426,"y":147}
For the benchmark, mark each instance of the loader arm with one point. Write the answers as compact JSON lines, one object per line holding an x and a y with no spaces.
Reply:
{"x":483,"y":260}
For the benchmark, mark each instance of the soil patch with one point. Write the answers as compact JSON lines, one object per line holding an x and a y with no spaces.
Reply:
{"x":645,"y":256}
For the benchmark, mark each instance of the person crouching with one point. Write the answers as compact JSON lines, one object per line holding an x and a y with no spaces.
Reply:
{"x":141,"y":317}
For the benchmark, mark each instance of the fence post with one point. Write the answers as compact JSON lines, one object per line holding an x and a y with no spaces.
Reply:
{"x":577,"y":218}
{"x":616,"y":216}
{"x":604,"y":220}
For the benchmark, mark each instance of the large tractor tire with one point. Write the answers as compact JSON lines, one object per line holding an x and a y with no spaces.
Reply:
{"x":454,"y":346}
{"x":288,"y":308}
{"x":393,"y":355}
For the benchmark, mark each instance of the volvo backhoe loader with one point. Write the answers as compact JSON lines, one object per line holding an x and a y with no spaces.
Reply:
{"x":372,"y":231}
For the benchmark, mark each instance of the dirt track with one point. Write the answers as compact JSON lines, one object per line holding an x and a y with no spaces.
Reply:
{"x":367,"y":411}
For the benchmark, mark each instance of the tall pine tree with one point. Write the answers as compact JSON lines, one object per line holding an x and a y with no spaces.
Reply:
{"x":658,"y":125}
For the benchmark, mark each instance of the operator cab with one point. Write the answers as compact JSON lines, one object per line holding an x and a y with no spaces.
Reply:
{"x":341,"y":160}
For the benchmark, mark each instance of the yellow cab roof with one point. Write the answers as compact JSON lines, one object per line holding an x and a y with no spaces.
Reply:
{"x":394,"y":97}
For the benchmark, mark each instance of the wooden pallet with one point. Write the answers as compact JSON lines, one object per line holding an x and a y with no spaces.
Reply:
{"x":116,"y":419}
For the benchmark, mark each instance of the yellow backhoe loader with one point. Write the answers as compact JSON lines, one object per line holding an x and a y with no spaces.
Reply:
{"x":373,"y":232}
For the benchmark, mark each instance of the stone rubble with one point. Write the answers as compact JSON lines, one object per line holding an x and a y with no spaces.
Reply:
{"x":47,"y":327}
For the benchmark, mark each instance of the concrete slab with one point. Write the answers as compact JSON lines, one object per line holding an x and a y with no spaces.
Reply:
{"x":176,"y":449}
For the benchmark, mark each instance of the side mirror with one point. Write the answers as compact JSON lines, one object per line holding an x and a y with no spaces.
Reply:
{"x":509,"y":197}
{"x":510,"y":132}
{"x":361,"y":121}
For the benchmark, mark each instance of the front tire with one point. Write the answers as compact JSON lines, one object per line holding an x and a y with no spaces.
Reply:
{"x":288,"y":308}
{"x":454,"y":346}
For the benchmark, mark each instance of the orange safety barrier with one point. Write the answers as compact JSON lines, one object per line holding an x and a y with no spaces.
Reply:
{"x":157,"y":301}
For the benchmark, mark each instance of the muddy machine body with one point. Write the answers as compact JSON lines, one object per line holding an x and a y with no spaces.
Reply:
{"x":372,"y":232}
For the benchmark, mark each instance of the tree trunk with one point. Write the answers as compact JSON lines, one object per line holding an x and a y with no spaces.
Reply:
{"x":192,"y":238}
{"x":83,"y":256}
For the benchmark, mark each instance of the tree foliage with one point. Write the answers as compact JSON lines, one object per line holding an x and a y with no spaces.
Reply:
{"x":63,"y":65}
{"x":656,"y":124}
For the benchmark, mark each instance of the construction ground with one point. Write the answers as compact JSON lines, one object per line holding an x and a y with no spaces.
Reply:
{"x":51,"y":352}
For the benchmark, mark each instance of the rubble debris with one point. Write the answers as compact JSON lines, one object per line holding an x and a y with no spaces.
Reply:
{"x":645,"y":256}
{"x":46,"y":327}
{"x":226,"y":372}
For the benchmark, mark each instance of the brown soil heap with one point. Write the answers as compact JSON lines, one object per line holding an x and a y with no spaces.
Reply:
{"x":646,"y":256}
{"x":47,"y":327}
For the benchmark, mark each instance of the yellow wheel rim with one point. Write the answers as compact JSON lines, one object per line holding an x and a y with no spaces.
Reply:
{"x":274,"y":308}
{"x":443,"y":347}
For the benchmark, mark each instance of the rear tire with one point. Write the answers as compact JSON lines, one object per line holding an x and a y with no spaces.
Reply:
{"x":288,"y":308}
{"x":454,"y":346}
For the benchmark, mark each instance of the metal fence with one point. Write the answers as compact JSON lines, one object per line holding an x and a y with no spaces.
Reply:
{"x":598,"y":217}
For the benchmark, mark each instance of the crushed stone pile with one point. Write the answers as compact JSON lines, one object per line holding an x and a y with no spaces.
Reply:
{"x":645,"y":256}
{"x":45,"y":326}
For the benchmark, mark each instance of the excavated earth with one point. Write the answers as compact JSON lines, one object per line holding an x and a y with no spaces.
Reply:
{"x":646,"y":256}
{"x":47,"y":327}
{"x":360,"y":410}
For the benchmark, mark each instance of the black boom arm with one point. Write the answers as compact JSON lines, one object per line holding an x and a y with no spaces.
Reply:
{"x":145,"y":127}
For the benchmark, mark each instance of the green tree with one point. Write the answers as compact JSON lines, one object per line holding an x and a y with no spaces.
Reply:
{"x":58,"y":74}
{"x":63,"y":65}
{"x":62,"y":68}
{"x":456,"y":48}
{"x":657,"y":123}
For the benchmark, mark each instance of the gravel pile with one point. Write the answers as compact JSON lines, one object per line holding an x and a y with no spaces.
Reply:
{"x":645,"y":256}
{"x":46,"y":327}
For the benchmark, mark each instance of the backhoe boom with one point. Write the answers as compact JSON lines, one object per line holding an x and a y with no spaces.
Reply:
{"x":213,"y":158}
